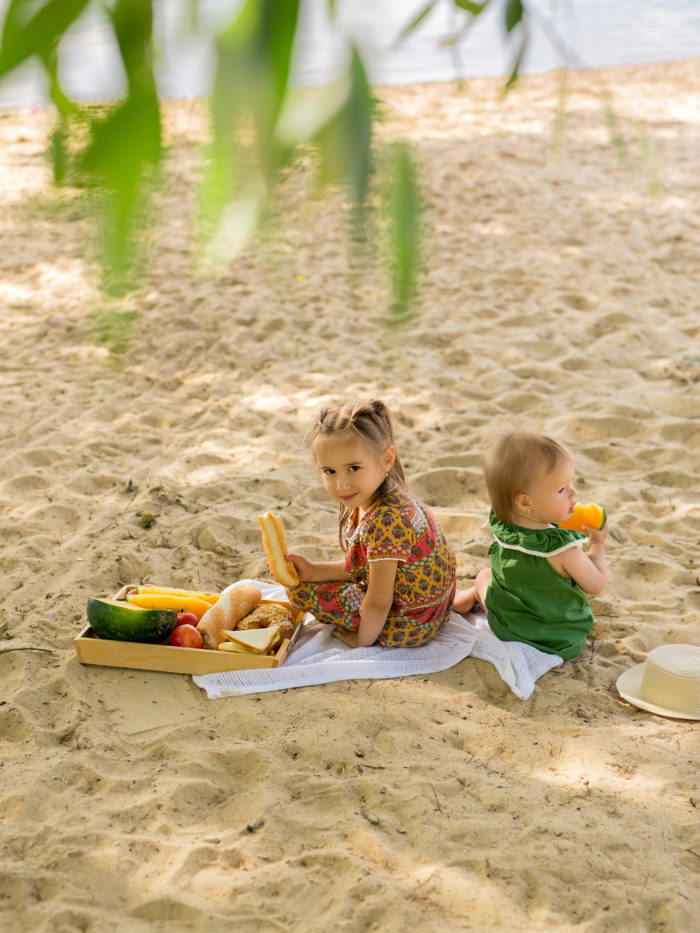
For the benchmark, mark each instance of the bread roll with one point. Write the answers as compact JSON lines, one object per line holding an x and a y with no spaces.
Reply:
{"x":263,"y":615}
{"x":227,"y":612}
{"x":250,"y":621}
{"x":275,"y":545}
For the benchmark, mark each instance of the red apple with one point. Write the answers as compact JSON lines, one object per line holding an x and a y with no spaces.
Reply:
{"x":186,"y":636}
{"x":187,"y":618}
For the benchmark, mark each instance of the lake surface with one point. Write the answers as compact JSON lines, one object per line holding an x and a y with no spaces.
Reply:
{"x":577,"y":33}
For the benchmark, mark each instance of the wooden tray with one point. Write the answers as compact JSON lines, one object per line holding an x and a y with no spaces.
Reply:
{"x":91,"y":649}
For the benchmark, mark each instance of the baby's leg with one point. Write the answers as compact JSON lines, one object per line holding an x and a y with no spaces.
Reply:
{"x":336,"y":602}
{"x":475,"y":596}
{"x":483,"y":578}
{"x":465,"y":600}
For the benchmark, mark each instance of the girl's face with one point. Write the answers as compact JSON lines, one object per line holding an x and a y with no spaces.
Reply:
{"x":351,"y":472}
{"x":551,"y":498}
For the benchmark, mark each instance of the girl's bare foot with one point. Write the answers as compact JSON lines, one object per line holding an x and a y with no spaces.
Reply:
{"x":465,"y":600}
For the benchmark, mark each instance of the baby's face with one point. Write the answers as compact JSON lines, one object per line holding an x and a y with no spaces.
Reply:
{"x":552,"y":495}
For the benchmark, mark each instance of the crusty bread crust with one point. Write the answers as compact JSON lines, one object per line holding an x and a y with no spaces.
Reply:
{"x":227,"y":612}
{"x":275,"y":546}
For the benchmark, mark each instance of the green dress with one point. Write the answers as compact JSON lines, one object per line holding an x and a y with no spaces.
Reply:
{"x":527,"y":600}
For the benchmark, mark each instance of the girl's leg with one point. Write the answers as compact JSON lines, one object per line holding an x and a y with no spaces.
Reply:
{"x":466,"y":600}
{"x":335,"y":603}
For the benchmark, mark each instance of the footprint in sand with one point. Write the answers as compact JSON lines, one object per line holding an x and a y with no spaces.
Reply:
{"x":26,"y":483}
{"x":586,"y":429}
{"x":40,"y":457}
{"x":188,"y":800}
{"x":577,"y":301}
{"x":14,"y":726}
{"x":677,"y":405}
{"x":682,"y":432}
{"x":90,"y":484}
{"x":610,"y":456}
{"x":446,"y":486}
{"x":648,"y":570}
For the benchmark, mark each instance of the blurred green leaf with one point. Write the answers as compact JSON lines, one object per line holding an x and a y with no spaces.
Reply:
{"x":416,"y":21}
{"x":617,"y":140}
{"x":49,"y":60}
{"x":345,"y":140}
{"x":26,"y":32}
{"x":403,"y":208}
{"x":124,"y":142}
{"x":513,"y":14}
{"x":132,"y":21}
{"x":125,"y":145}
{"x":114,"y":328}
{"x":253,"y":61}
{"x":192,"y":14}
{"x":305,"y":113}
{"x":474,"y":8}
{"x":515,"y":70}
{"x":59,"y":151}
{"x":253,"y":64}
{"x":259,"y":127}
{"x":650,"y":162}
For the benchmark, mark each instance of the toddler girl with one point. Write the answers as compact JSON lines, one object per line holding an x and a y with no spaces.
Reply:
{"x":534,"y":591}
{"x":396,"y":583}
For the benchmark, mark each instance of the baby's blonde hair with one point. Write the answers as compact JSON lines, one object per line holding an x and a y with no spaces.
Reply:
{"x":512,"y":461}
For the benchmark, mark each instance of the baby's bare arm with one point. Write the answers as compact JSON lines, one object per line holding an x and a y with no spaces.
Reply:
{"x":589,"y":570}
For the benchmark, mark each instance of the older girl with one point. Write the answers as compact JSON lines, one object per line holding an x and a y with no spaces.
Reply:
{"x":396,"y":583}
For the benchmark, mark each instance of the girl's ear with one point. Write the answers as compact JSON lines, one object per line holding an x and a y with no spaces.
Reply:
{"x":388,"y":458}
{"x":522,"y":502}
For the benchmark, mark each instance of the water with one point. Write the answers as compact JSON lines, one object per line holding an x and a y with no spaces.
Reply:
{"x":578,"y":33}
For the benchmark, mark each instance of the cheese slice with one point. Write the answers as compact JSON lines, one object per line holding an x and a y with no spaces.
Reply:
{"x":251,"y":641}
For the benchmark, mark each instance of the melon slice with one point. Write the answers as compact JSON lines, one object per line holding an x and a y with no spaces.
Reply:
{"x":122,"y":621}
{"x":591,"y":514}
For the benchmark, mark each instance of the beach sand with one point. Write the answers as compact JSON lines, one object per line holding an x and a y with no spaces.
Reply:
{"x":561,"y":292}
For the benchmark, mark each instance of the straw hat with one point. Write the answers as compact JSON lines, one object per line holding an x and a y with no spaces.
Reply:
{"x":667,"y":683}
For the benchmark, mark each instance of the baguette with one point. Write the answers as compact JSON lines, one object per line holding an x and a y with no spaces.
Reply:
{"x":227,"y":612}
{"x":275,"y":546}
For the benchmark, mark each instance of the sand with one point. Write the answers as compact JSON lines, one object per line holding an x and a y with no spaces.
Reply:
{"x":560,"y":291}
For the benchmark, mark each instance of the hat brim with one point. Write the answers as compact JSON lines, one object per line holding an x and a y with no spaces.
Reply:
{"x":629,"y":685}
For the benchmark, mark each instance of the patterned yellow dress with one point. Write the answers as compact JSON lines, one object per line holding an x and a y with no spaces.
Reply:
{"x":396,"y":527}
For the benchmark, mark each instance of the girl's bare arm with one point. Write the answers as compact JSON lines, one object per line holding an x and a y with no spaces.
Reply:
{"x":318,"y":571}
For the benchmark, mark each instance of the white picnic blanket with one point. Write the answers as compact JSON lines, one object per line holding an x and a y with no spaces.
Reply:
{"x":318,"y":658}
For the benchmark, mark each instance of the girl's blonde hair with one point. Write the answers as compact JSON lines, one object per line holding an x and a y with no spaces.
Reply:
{"x":512,"y":461}
{"x":372,"y":423}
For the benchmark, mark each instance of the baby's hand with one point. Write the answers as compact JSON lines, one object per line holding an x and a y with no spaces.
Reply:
{"x":596,"y":535}
{"x":305,"y":568}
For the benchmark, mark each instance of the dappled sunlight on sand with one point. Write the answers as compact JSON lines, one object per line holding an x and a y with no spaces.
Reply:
{"x":144,"y":435}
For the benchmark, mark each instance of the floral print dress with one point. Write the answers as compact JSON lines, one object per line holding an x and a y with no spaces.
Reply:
{"x":396,"y":527}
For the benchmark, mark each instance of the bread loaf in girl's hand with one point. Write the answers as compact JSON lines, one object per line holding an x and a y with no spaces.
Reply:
{"x":275,"y":546}
{"x":227,"y":612}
